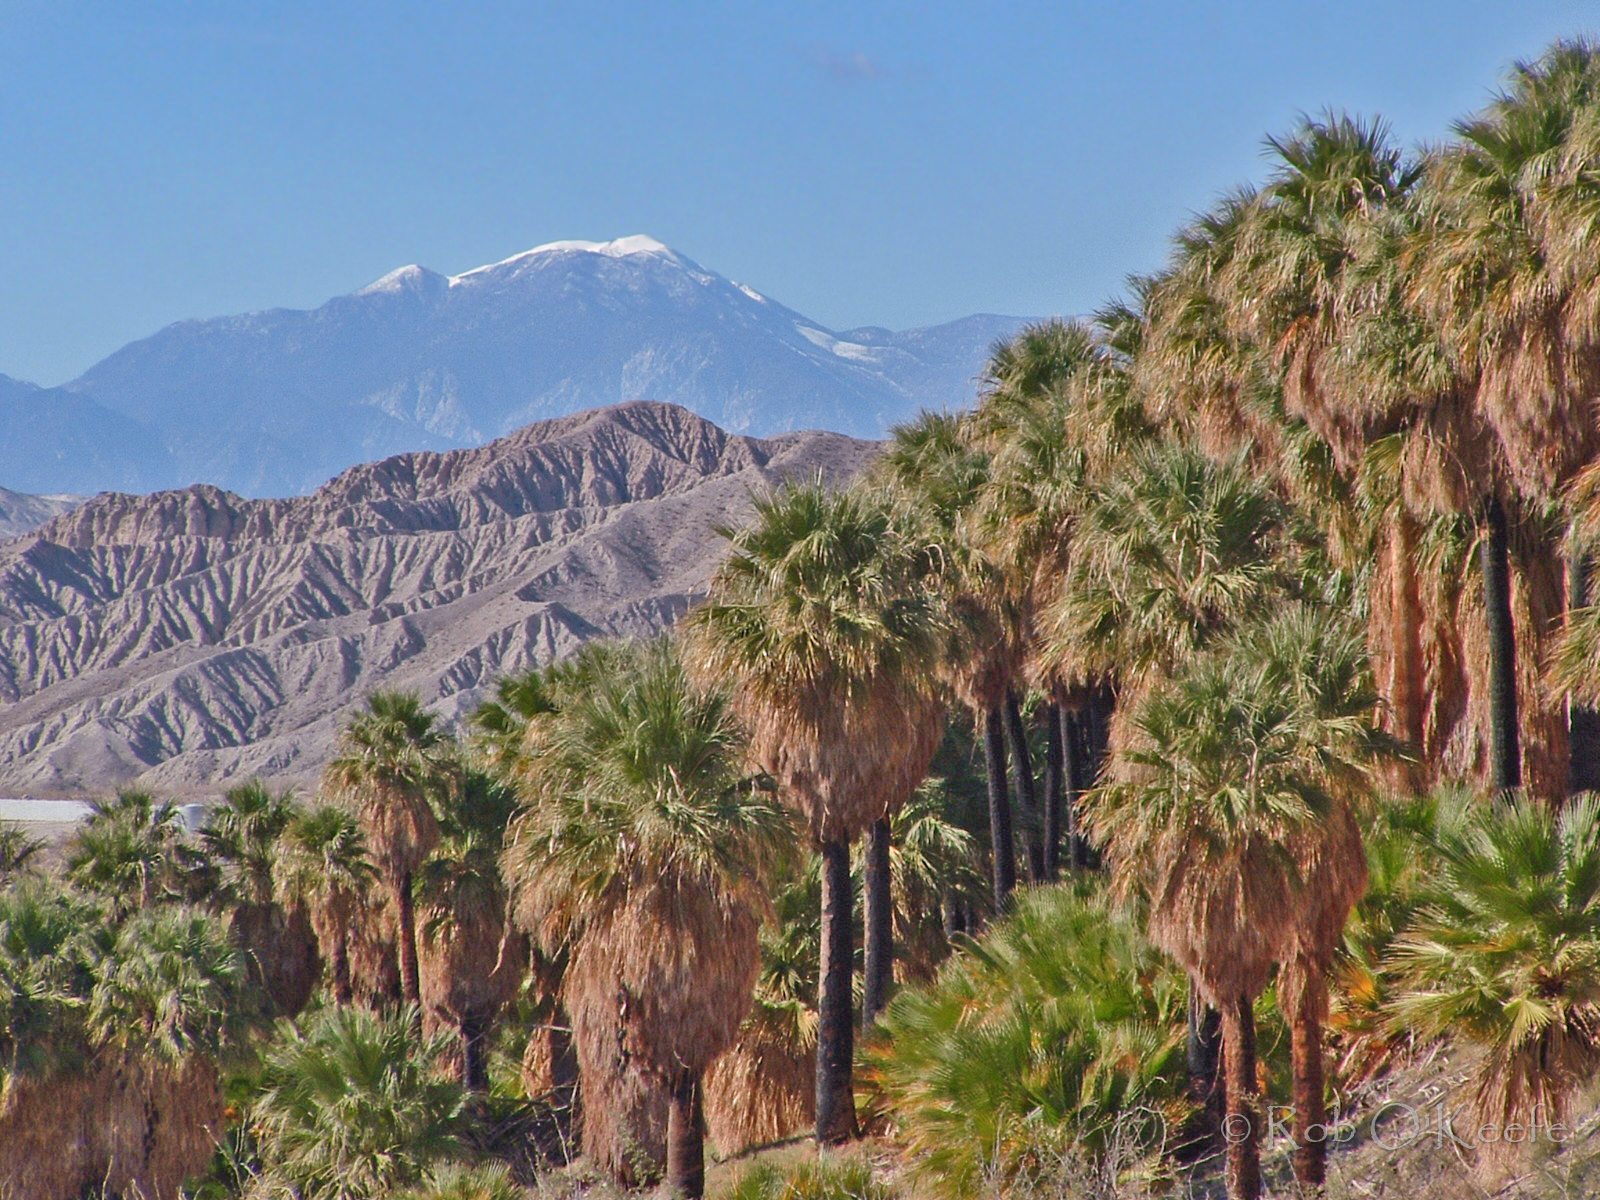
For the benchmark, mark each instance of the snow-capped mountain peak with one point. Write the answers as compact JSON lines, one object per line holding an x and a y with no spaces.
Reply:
{"x":410,"y":278}
{"x":623,"y":247}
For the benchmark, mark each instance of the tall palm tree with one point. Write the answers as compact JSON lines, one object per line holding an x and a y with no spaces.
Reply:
{"x":167,"y":1003}
{"x":323,"y":865}
{"x":242,"y":836}
{"x":1316,"y":658}
{"x":1172,"y":553}
{"x":396,"y":767}
{"x":1054,"y":412}
{"x":644,"y":847}
{"x":821,"y":625}
{"x":1221,"y":784}
{"x":934,"y":466}
{"x":471,"y":959}
{"x":1497,"y":267}
{"x":1504,"y":264}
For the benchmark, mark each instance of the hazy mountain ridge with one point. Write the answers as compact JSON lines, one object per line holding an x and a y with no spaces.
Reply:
{"x":275,"y":402}
{"x":189,"y":637}
{"x":21,"y":513}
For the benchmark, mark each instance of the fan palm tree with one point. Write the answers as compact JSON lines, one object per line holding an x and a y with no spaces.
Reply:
{"x":1316,"y":658}
{"x":471,"y":959}
{"x":823,"y":628}
{"x":17,"y":847}
{"x":1055,"y":404}
{"x":131,"y":851}
{"x":1498,"y":268}
{"x":241,"y":837}
{"x":935,"y":468}
{"x":1505,"y":267}
{"x":350,"y":1108}
{"x":644,"y":847}
{"x":43,"y":963}
{"x":169,"y":999}
{"x":1506,"y":953}
{"x":396,"y":766}
{"x":1222,"y":785}
{"x":323,"y":865}
{"x":1059,"y":1017}
{"x":500,"y":726}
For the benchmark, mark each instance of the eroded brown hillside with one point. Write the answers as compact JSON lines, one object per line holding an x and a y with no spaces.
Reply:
{"x":188,"y":638}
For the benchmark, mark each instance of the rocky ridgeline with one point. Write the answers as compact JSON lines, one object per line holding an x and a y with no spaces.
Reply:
{"x":189,"y":638}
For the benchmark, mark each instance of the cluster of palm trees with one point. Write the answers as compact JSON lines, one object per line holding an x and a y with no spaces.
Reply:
{"x":1303,"y":522}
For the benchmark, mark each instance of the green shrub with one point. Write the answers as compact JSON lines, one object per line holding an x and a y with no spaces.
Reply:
{"x":820,"y":1179}
{"x":351,"y":1107}
{"x":1057,"y":1024}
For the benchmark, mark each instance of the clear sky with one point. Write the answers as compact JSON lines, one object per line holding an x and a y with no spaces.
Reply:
{"x":866,"y":163}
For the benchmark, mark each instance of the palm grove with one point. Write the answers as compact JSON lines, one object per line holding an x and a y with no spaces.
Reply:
{"x":1226,"y":665}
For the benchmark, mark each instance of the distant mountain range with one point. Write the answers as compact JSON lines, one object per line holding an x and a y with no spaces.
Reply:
{"x":192,"y":637}
{"x":274,"y":403}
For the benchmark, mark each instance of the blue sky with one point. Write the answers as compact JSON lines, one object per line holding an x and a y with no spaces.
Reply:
{"x":865,"y":163}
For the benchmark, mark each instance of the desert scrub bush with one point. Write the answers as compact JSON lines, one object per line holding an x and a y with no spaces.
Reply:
{"x":1057,"y":1024}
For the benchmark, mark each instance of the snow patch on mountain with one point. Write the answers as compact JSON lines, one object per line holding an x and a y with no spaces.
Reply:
{"x":623,"y":247}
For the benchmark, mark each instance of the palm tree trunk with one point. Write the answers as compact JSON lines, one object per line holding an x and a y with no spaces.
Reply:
{"x":1305,"y":1054}
{"x":1027,"y":796}
{"x":836,"y":1105}
{"x":1583,"y":724}
{"x":1004,"y":852}
{"x":474,"y":1060}
{"x":878,"y":967}
{"x":686,"y":1139}
{"x":1077,"y":748}
{"x":1406,"y":682}
{"x":1241,"y":1128}
{"x":1494,"y":549}
{"x":1055,"y":788}
{"x":1204,"y":1061}
{"x":410,"y":984}
{"x":339,"y":954}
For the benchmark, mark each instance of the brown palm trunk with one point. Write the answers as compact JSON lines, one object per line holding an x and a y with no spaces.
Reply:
{"x":686,"y":1139}
{"x":1241,"y":1129}
{"x":1204,"y":1060}
{"x":339,"y":964}
{"x":1310,"y":1111}
{"x":1494,"y":549}
{"x":474,"y":1059}
{"x":1583,"y":723}
{"x":1076,"y":741}
{"x":410,"y":983}
{"x":836,"y":1105}
{"x":1055,"y":787}
{"x":1027,"y":795}
{"x":1004,"y":854}
{"x":1406,"y":697}
{"x":878,"y":965}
